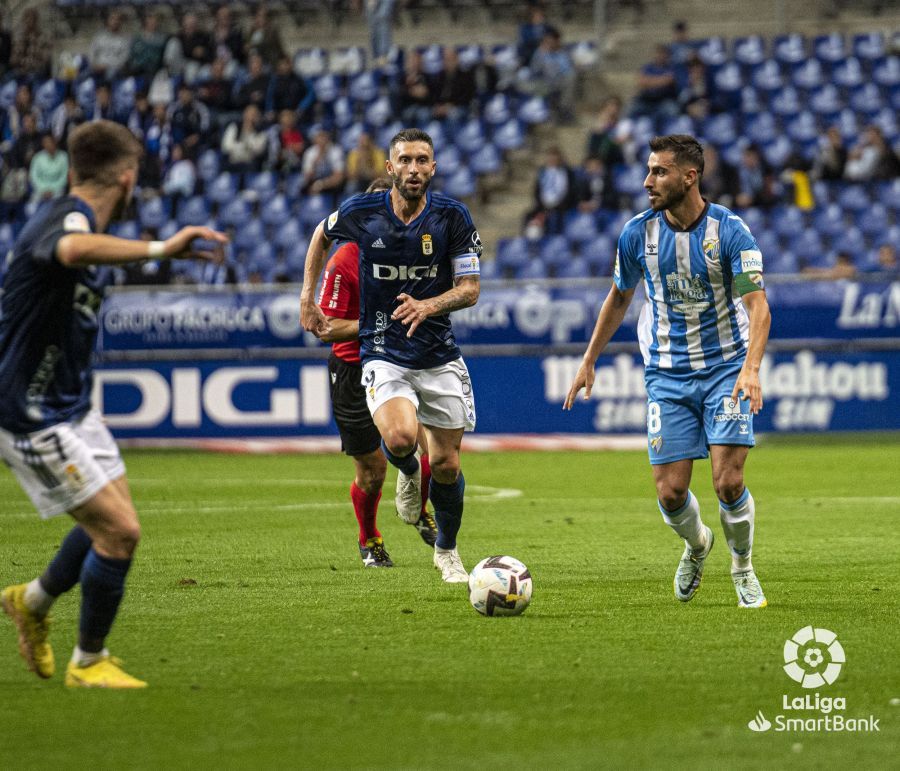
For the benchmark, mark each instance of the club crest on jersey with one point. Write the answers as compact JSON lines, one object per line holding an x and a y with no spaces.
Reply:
{"x":427,"y":245}
{"x":332,"y":219}
{"x":656,"y":443}
{"x":711,"y":249}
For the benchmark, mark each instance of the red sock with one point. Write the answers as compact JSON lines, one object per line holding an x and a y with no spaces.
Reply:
{"x":426,"y":479}
{"x":365,"y":507}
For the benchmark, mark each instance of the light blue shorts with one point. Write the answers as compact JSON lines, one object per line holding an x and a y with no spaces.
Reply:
{"x":688,"y":411}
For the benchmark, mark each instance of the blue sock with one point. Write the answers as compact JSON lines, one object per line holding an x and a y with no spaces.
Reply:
{"x":408,"y":464}
{"x":63,"y":572}
{"x":448,"y":509}
{"x":102,"y":587}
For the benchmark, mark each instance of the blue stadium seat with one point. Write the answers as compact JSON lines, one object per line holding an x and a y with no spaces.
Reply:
{"x":378,"y":113}
{"x":584,"y":54}
{"x":461,"y":184}
{"x":848,"y":125}
{"x":491,"y":269}
{"x":349,"y":137}
{"x":762,"y":130}
{"x":152,"y":213}
{"x":554,"y":250}
{"x":432,"y":59}
{"x":629,"y":180}
{"x":683,"y":124}
{"x":780,"y":261}
{"x":777,"y":151}
{"x":386,"y":132}
{"x":886,"y":120}
{"x":712,"y":52}
{"x":574,"y":267}
{"x":808,"y":246}
{"x":729,"y":81}
{"x":830,"y":48}
{"x":808,"y":75}
{"x":193,"y":211}
{"x":277,"y":210}
{"x":826,"y":101}
{"x":533,"y":111}
{"x":869,"y":47}
{"x":342,"y":111}
{"x":470,"y":137}
{"x":887,"y":73}
{"x":788,"y":221}
{"x":534,"y":270}
{"x":435,"y":130}
{"x":599,"y":254}
{"x":48,"y":96}
{"x":581,"y":227}
{"x":8,"y":94}
{"x":469,"y":55}
{"x":749,"y":51}
{"x":170,"y":228}
{"x":364,"y":87}
{"x":289,"y":234}
{"x":506,"y":58}
{"x":804,"y":128}
{"x":889,"y":195}
{"x":751,"y":103}
{"x":849,"y":73}
{"x":789,"y":49}
{"x":123,"y":95}
{"x":235,"y":214}
{"x":262,"y":185}
{"x":348,"y":60}
{"x":314,"y":209}
{"x":767,"y":77}
{"x":222,"y":189}
{"x":127,"y":229}
{"x":768,"y":243}
{"x":874,"y":221}
{"x":720,"y":129}
{"x":513,"y":252}
{"x":867,"y":99}
{"x":208,"y":165}
{"x":830,"y":220}
{"x":486,"y":160}
{"x":310,"y":62}
{"x":496,"y":110}
{"x":249,"y":234}
{"x":509,"y":136}
{"x":852,"y":241}
{"x":786,"y":103}
{"x":295,"y":258}
{"x":85,"y":93}
{"x":449,"y":159}
{"x":327,"y":88}
{"x":854,"y":198}
{"x":754,"y":218}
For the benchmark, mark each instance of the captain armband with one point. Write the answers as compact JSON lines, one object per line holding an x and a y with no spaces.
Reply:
{"x":466,"y":265}
{"x":749,"y":282}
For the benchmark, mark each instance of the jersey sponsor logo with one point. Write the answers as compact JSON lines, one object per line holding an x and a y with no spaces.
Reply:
{"x":711,"y":249}
{"x":378,"y":244}
{"x":688,"y":295}
{"x":476,"y":243}
{"x":403,"y":272}
{"x":76,"y":222}
{"x":427,"y":245}
{"x":332,"y":219}
{"x":731,"y":410}
{"x":751,"y":259}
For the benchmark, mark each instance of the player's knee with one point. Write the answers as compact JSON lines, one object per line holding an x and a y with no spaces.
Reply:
{"x":729,"y":485}
{"x":672,"y":493}
{"x":121,"y":538}
{"x":444,"y":468}
{"x":400,"y":441}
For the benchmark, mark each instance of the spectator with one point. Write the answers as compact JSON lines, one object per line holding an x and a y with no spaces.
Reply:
{"x":244,"y":144}
{"x":109,"y":48}
{"x":323,"y":167}
{"x":189,"y":50}
{"x":256,"y":86}
{"x":551,"y":74}
{"x":147,"y":47}
{"x":843,"y":267}
{"x":596,"y":189}
{"x":157,"y":146}
{"x":871,"y":158}
{"x":103,"y":104}
{"x":365,"y":162}
{"x":287,"y":90}
{"x":531,"y":32}
{"x":680,"y":49}
{"x":144,"y":272}
{"x":887,"y":259}
{"x":65,"y":117}
{"x":756,"y":185}
{"x":141,"y":116}
{"x":414,"y":97}
{"x":27,"y":143}
{"x":720,"y":181}
{"x":264,"y":37}
{"x":228,"y":40}
{"x":380,"y":14}
{"x":555,"y":192}
{"x":657,"y":88}
{"x":22,"y":105}
{"x":696,"y":98}
{"x":49,"y":170}
{"x":453,"y":89}
{"x":189,"y":120}
{"x":286,"y":142}
{"x":602,"y":142}
{"x":217,"y":93}
{"x":831,"y":156}
{"x":5,"y":48}
{"x":31,"y":49}
{"x":180,"y":178}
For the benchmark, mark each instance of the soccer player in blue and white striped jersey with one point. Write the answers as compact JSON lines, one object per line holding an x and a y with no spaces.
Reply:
{"x":703,"y":332}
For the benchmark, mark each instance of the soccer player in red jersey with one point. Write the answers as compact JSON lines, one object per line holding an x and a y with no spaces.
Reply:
{"x":339,"y":301}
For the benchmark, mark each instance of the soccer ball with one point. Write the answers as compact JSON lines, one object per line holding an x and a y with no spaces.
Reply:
{"x":500,"y":586}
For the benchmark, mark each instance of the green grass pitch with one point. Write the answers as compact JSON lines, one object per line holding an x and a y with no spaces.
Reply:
{"x":267,"y":645}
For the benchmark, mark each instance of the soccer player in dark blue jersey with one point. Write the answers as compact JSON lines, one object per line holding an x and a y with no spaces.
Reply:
{"x":418,"y":261}
{"x":55,"y":443}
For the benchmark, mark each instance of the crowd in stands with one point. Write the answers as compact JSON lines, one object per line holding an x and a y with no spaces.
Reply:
{"x":225,"y":110}
{"x":814,"y":159}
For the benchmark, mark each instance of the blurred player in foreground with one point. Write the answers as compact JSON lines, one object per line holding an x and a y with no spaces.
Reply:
{"x":418,"y":262}
{"x":339,"y":301}
{"x":703,"y":333}
{"x":55,"y":443}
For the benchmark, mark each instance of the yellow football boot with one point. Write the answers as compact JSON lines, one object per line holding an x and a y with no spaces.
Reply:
{"x":33,"y":631}
{"x":105,"y":673}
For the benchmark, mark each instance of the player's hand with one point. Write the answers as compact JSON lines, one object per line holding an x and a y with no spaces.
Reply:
{"x":312,"y":319}
{"x":748,"y":387}
{"x":584,"y":378}
{"x":411,"y":312}
{"x":182,"y":245}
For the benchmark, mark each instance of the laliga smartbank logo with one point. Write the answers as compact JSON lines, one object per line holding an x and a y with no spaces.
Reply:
{"x":813,"y":658}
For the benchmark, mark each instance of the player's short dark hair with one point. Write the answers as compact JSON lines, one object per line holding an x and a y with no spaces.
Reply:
{"x":686,"y":149}
{"x":411,"y":135}
{"x":379,"y":183}
{"x":99,"y":150}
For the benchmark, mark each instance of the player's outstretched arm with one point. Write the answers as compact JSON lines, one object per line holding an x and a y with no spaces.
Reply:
{"x":608,"y":321}
{"x":748,"y":385}
{"x":76,"y":250}
{"x":339,"y":330}
{"x":311,"y":317}
{"x":412,"y":312}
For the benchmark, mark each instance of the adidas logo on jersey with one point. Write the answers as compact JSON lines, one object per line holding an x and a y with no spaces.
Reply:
{"x":379,"y":244}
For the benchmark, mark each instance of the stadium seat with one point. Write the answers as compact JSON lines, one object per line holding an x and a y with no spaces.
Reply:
{"x":249,"y":234}
{"x":509,"y":136}
{"x":8,"y":94}
{"x":128,"y":229}
{"x":830,"y":49}
{"x":461,"y":184}
{"x":574,"y":267}
{"x":263,"y":185}
{"x":170,"y":228}
{"x":786,"y":102}
{"x":854,"y":198}
{"x":629,"y":180}
{"x":534,"y":270}
{"x":490,"y":270}
{"x":289,"y":234}
{"x":789,"y":49}
{"x":804,"y":128}
{"x":852,"y":241}
{"x":85,"y":93}
{"x":849,"y":73}
{"x":486,"y":160}
{"x":208,"y":165}
{"x":787,"y":221}
{"x":749,"y":51}
{"x":887,"y":73}
{"x":889,"y":195}
{"x":777,"y":152}
{"x":584,"y":54}
{"x":506,"y":59}
{"x":767,"y":77}
{"x":123,"y":95}
{"x":866,"y":99}
{"x":751,"y":104}
{"x":768,"y":243}
{"x":432,"y":59}
{"x":554,"y":250}
{"x":581,"y":227}
{"x":534,"y":111}
{"x":435,"y":129}
{"x":315,"y":208}
{"x":513,"y":252}
{"x":327,"y":88}
{"x":152,"y":213}
{"x":310,"y":62}
{"x":830,"y":220}
{"x":469,"y":56}
{"x":193,"y":211}
{"x":364,"y":87}
{"x":496,"y":110}
{"x":754,"y":218}
{"x":683,"y":124}
{"x":729,"y":81}
{"x":349,"y":137}
{"x":276,"y":211}
{"x":712,"y":52}
{"x":874,"y":221}
{"x":763,"y":129}
{"x":235,"y":213}
{"x":826,"y":101}
{"x":349,"y":60}
{"x":342,"y":112}
{"x":48,"y":96}
{"x":470,"y":136}
{"x":378,"y":113}
{"x":720,"y":129}
{"x":222,"y":189}
{"x":780,"y":261}
{"x":599,"y":254}
{"x":808,"y":247}
{"x":869,"y":47}
{"x":449,"y":159}
{"x":808,"y":75}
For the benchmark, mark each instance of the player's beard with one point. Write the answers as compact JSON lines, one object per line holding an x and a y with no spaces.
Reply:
{"x":406,"y":193}
{"x":669,"y":199}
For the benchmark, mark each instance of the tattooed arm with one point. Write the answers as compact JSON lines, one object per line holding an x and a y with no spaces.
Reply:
{"x":413,"y":312}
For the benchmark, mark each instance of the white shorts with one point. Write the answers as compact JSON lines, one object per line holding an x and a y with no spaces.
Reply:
{"x":63,"y":466}
{"x":442,"y":395}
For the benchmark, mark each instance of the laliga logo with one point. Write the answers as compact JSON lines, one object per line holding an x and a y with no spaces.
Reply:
{"x":806,"y":653}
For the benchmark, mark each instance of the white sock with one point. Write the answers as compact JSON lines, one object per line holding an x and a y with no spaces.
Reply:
{"x":36,"y":598}
{"x":84,"y":659}
{"x":686,"y":522}
{"x":737,"y":522}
